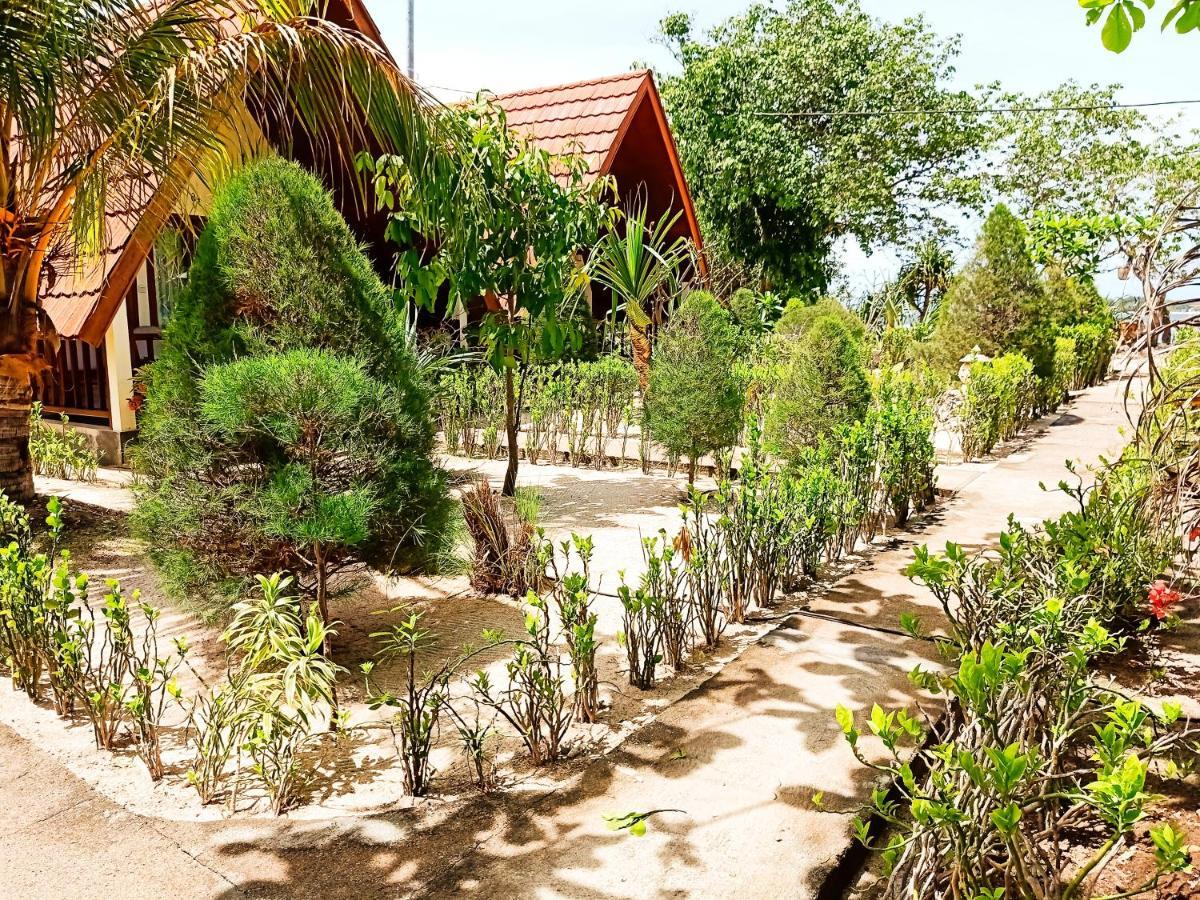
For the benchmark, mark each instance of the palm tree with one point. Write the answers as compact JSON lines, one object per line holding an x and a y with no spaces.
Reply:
{"x":104,"y":103}
{"x":926,"y":279}
{"x":639,"y":263}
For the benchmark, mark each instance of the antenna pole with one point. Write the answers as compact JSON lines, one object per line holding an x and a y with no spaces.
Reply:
{"x":412,"y":71}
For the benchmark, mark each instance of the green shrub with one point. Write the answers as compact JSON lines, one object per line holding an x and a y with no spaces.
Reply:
{"x":1000,"y":400}
{"x":695,"y":400}
{"x":799,"y":316}
{"x":903,"y":418}
{"x":60,"y":452}
{"x":1034,"y":736}
{"x":822,"y":385}
{"x":998,"y":301}
{"x":284,"y":352}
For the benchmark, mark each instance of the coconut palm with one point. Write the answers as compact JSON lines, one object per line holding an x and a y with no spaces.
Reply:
{"x":105,"y":104}
{"x":639,"y":263}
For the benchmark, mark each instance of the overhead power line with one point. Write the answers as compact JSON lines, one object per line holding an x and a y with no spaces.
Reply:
{"x":960,"y":111}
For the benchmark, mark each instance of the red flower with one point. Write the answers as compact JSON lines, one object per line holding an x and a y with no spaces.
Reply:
{"x":1162,"y":598}
{"x":1194,"y":533}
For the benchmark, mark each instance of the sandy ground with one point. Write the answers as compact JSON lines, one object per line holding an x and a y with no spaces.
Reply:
{"x":739,"y":751}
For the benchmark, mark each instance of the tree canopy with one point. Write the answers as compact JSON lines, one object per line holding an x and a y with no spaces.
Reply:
{"x":769,"y":111}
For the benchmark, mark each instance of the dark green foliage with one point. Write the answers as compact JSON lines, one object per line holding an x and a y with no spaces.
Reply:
{"x":778,"y":190}
{"x":695,"y":400}
{"x":260,"y":451}
{"x":998,"y":301}
{"x":822,"y":385}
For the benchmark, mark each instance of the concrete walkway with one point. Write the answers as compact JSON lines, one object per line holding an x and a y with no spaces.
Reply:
{"x":741,"y":756}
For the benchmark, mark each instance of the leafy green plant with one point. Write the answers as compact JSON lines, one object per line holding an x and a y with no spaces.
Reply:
{"x":1034,"y":742}
{"x":706,"y":566}
{"x":278,"y":697}
{"x":60,"y":452}
{"x":641,"y":634}
{"x":533,"y":701}
{"x":664,"y":579}
{"x":573,"y":597}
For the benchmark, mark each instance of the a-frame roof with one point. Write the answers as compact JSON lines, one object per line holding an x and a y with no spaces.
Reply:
{"x":598,"y":119}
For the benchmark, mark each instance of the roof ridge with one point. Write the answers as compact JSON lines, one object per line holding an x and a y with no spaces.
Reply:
{"x":623,"y":76}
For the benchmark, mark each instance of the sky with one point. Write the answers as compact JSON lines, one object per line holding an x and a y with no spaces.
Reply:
{"x":1027,"y":45}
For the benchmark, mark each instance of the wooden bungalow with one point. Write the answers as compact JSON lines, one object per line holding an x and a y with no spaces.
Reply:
{"x":110,"y":317}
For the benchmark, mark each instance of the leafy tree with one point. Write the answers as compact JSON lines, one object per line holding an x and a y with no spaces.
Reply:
{"x":1123,"y":18}
{"x":512,"y":227}
{"x":997,"y":301}
{"x":768,"y":114}
{"x":695,"y":400}
{"x":1079,"y":158}
{"x":823,"y":385}
{"x":287,"y":423}
{"x":113,"y":99}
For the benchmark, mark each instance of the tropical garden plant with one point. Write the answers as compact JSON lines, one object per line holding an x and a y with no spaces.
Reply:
{"x":116,"y":104}
{"x":641,"y":263}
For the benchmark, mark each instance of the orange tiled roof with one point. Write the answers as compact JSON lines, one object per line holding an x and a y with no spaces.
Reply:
{"x":586,"y":117}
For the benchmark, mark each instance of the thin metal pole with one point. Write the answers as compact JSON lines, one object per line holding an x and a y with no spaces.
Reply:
{"x":412,"y":71}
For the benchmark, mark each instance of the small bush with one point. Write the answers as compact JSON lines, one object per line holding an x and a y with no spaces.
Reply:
{"x":101,"y":660}
{"x":573,"y":597}
{"x":799,"y":316}
{"x":695,"y":400}
{"x":533,"y":702}
{"x":823,"y":385}
{"x":60,"y":452}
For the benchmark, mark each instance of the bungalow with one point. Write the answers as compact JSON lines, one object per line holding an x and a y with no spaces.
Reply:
{"x":110,"y":317}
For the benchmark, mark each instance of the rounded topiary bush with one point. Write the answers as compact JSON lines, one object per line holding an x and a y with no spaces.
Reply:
{"x":287,"y":420}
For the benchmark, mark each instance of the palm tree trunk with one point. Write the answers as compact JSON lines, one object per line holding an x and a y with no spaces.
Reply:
{"x":16,"y":470}
{"x":642,"y":348}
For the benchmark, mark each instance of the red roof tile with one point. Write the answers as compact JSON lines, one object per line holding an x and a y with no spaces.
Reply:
{"x":586,"y":117}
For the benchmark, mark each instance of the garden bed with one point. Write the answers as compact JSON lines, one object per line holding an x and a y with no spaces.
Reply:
{"x":357,"y":772}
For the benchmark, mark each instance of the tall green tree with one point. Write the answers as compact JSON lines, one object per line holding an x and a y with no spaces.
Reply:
{"x":103,"y":102}
{"x":795,"y":127}
{"x":514,"y":230}
{"x":998,"y":301}
{"x":287,"y":422}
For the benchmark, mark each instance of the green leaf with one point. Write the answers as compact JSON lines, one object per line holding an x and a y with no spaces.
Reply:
{"x":1118,"y":30}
